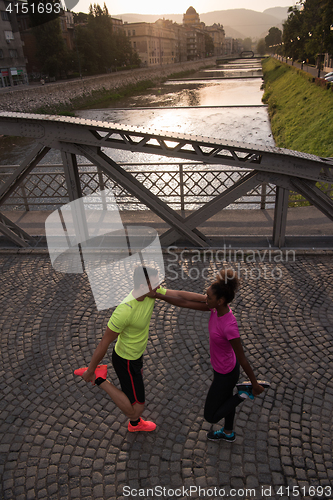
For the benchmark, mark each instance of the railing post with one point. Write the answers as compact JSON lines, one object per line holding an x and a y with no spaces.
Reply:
{"x":24,"y":196}
{"x":71,"y":176}
{"x":181,"y":186}
{"x":263,"y":196}
{"x":101,"y":187}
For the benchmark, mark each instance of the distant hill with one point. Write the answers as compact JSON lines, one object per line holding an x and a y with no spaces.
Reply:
{"x":247,"y":22}
{"x":278,"y":12}
{"x":238,"y":23}
{"x":149,"y":18}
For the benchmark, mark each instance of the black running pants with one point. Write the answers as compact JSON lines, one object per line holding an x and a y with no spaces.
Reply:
{"x":220,"y":401}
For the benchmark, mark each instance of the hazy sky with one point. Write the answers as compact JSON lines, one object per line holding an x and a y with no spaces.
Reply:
{"x":116,"y":7}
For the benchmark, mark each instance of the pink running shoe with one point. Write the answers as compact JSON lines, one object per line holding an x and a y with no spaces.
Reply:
{"x":101,"y":371}
{"x":143,"y":425}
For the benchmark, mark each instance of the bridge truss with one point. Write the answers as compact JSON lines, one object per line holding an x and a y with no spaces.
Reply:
{"x":288,"y":170}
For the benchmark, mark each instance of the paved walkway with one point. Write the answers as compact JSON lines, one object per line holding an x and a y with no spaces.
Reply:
{"x":307,"y":227}
{"x":63,"y":439}
{"x":305,"y":67}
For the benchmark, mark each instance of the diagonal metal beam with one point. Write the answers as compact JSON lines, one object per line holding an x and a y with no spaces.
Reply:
{"x":56,"y":131}
{"x":240,"y":188}
{"x":7,"y":227}
{"x":280,"y":216}
{"x":132,"y":185}
{"x":314,"y":195}
{"x":22,"y":171}
{"x":14,"y":232}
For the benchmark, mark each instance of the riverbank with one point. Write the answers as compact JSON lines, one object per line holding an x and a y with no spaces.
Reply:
{"x":63,"y":97}
{"x":301,"y":112}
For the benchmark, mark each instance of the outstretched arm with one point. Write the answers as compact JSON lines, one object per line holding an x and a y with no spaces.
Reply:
{"x":100,"y":351}
{"x":196,"y":297}
{"x":238,"y":349}
{"x":184,"y":300}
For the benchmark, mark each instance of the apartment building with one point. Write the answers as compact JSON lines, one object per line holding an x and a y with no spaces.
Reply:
{"x":232,"y":46}
{"x":195,"y":43}
{"x":117,"y":25}
{"x":180,"y":38}
{"x":67,"y":28}
{"x":155,"y":43}
{"x":12,"y":60}
{"x":217,"y":33}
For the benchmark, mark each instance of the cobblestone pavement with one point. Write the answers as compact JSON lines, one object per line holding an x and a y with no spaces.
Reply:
{"x":64,"y":439}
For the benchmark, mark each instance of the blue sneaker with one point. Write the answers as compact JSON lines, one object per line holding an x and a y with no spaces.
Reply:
{"x":245,"y":388}
{"x":220,"y":435}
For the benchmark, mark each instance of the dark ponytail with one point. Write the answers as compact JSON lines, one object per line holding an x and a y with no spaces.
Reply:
{"x":226,"y":285}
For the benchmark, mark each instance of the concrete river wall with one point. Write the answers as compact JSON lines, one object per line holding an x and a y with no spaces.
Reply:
{"x":30,"y":98}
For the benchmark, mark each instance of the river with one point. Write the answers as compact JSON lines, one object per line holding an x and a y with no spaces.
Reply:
{"x":222,"y":103}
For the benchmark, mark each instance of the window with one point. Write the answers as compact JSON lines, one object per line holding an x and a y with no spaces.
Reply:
{"x":13,"y":54}
{"x":134,"y":45}
{"x":129,"y":33}
{"x":133,"y":32}
{"x":1,"y":54}
{"x":4,"y":15}
{"x":9,"y":35}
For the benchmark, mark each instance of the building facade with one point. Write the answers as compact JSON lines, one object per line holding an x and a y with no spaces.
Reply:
{"x":12,"y":59}
{"x":195,"y":43}
{"x":155,"y":43}
{"x":232,"y":46}
{"x":217,"y":33}
{"x":166,"y":42}
{"x":192,"y":18}
{"x":117,"y":25}
{"x":67,"y":28}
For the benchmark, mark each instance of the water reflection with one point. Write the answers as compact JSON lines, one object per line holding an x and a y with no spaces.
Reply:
{"x":181,"y":93}
{"x":212,"y":108}
{"x":245,"y":124}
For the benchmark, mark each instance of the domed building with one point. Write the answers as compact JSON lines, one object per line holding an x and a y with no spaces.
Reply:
{"x":191,"y":17}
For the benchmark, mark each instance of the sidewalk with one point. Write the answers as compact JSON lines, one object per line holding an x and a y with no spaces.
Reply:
{"x":306,"y":67}
{"x":62,"y":439}
{"x":307,"y":227}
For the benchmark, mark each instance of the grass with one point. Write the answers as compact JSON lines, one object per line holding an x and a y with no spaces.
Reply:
{"x":181,"y":74}
{"x":301,"y":113}
{"x":95,"y":98}
{"x":103,"y":96}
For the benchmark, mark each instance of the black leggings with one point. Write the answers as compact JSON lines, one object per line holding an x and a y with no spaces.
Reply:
{"x":220,"y":401}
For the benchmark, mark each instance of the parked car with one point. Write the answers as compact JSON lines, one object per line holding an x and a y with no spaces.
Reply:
{"x":329,"y":78}
{"x":328,"y":75}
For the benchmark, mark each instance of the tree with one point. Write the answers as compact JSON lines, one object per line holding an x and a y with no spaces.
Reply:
{"x":209,"y":45}
{"x":100,"y":49}
{"x":52,"y":50}
{"x":261,"y":47}
{"x":273,"y":38}
{"x":307,"y":32}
